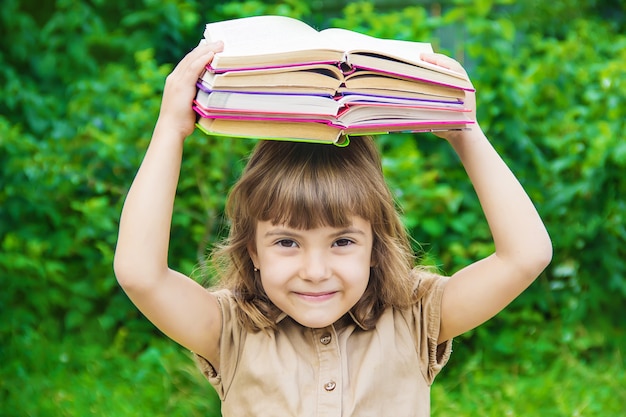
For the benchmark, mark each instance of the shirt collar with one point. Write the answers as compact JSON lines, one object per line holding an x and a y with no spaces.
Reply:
{"x":341,"y":322}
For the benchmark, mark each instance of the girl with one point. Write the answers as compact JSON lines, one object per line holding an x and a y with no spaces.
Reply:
{"x":321,"y":311}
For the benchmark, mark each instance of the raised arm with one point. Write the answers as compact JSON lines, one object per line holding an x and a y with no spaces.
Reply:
{"x":522,"y":246}
{"x":177,"y":305}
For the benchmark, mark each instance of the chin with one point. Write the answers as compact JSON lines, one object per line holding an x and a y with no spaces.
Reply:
{"x":315,"y":324}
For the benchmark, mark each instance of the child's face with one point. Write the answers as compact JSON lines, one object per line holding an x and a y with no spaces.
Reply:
{"x":315,"y":276}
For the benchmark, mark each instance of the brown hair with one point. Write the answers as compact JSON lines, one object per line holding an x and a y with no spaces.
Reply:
{"x":306,"y":186}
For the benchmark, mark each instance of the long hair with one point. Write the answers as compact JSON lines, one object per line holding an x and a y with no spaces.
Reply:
{"x":306,"y":186}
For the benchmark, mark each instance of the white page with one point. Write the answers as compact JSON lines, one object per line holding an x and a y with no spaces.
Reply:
{"x":351,"y":41}
{"x":260,"y":35}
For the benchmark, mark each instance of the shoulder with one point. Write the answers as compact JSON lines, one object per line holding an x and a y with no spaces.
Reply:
{"x":227,"y":304}
{"x":223,"y":295}
{"x":428,"y":285}
{"x":229,"y":339}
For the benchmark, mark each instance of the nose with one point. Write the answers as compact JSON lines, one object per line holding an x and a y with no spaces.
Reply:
{"x":315,"y":266}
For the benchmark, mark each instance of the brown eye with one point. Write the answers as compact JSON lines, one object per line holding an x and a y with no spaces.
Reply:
{"x":343,"y":242}
{"x":287,"y":243}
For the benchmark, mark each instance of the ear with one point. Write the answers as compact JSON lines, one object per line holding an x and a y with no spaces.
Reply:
{"x":253,"y":254}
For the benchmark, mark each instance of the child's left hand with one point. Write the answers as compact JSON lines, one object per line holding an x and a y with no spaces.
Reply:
{"x":470,"y":97}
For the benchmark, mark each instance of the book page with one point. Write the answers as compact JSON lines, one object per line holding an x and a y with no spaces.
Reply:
{"x":351,"y":41}
{"x":407,"y":51}
{"x":260,"y":35}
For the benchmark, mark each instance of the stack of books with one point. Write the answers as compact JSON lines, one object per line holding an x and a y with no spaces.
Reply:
{"x":279,"y":78}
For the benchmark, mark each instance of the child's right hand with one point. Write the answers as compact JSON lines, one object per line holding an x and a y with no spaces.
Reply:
{"x":176,"y":115}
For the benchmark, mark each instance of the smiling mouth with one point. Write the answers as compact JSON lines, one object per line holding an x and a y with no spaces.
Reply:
{"x":316,"y":296}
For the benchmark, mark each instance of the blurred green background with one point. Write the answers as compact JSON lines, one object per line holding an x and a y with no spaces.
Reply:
{"x":80,"y":85}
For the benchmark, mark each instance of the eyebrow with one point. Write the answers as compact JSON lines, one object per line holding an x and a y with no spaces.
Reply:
{"x":290,"y":233}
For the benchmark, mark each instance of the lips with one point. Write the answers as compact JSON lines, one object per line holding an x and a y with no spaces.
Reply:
{"x":316,"y":296}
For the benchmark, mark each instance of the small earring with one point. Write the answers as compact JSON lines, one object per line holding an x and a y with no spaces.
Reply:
{"x":256,"y":269}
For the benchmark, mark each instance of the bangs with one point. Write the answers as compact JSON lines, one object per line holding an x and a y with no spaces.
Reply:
{"x":305,"y":186}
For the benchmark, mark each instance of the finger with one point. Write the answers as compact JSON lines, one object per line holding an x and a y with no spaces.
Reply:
{"x":444,"y":62}
{"x":217,"y":46}
{"x":199,"y":63}
{"x":195,"y":62}
{"x":439,"y":59}
{"x":204,"y":50}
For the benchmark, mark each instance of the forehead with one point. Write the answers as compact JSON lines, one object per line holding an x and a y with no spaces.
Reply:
{"x":310,"y":202}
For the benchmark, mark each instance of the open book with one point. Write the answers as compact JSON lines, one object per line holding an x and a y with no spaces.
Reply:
{"x":279,"y":42}
{"x":328,"y":79}
{"x":311,"y":131}
{"x":278,"y":78}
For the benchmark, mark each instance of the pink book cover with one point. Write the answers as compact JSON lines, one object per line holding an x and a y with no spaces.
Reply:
{"x":345,"y":72}
{"x":271,"y":115}
{"x":299,"y":64}
{"x":375,"y":126}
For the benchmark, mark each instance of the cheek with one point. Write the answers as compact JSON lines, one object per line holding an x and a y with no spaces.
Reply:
{"x":272,"y":277}
{"x":366,"y":278}
{"x":359,"y":276}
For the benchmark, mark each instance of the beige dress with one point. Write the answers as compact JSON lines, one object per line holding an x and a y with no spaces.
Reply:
{"x":339,"y":370}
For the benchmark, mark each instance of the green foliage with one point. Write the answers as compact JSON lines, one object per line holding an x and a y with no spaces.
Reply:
{"x":80,"y":376}
{"x":233,"y":10}
{"x":582,"y":142}
{"x":410,"y":23}
{"x":563,"y":387}
{"x":80,"y":85}
{"x":557,"y":107}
